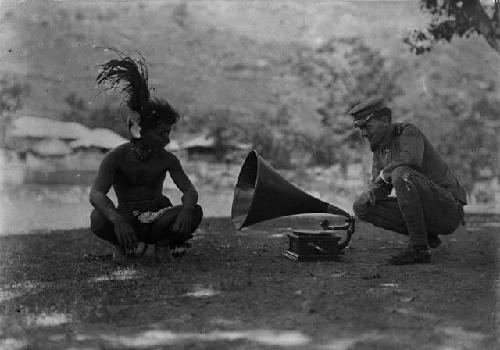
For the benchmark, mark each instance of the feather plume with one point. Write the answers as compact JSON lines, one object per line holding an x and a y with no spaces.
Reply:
{"x":132,"y":75}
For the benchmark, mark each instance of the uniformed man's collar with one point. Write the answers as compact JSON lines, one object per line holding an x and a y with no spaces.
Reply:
{"x":389,"y":135}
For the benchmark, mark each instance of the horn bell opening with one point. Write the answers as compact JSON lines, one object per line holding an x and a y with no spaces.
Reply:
{"x":244,"y":190}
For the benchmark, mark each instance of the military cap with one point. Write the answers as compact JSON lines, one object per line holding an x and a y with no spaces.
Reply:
{"x":364,"y":110}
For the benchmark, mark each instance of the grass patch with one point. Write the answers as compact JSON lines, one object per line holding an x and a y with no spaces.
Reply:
{"x":236,"y":290}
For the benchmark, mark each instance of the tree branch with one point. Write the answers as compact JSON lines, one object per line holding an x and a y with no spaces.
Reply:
{"x":483,"y":23}
{"x":496,"y":19}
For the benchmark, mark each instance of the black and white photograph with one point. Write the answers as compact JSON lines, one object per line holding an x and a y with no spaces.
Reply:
{"x":250,"y":174}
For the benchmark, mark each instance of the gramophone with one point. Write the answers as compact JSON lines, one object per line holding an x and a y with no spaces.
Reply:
{"x":262,"y":194}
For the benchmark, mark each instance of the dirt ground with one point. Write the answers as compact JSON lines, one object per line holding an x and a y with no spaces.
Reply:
{"x":236,"y":290}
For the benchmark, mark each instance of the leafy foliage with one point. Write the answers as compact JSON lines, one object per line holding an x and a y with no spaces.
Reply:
{"x":180,"y":14}
{"x":341,"y":72}
{"x":460,"y":113}
{"x":471,"y":145}
{"x":307,"y":122}
{"x":470,"y":148}
{"x":461,"y":18}
{"x":12,"y":91}
{"x":100,"y":117}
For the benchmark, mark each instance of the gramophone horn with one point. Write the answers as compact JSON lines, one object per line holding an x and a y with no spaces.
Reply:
{"x":262,"y":194}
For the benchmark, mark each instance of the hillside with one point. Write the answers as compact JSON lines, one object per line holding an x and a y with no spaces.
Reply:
{"x":200,"y":54}
{"x":216,"y":54}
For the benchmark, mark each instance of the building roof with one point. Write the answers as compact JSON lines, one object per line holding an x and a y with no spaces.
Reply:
{"x":101,"y":138}
{"x":28,"y":126}
{"x":200,"y":141}
{"x":207,"y":141}
{"x":173,"y":146}
{"x":51,"y":147}
{"x":52,"y":130}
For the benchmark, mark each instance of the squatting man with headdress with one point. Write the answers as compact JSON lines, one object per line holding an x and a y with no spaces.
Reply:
{"x":137,"y":169}
{"x":429,"y":199}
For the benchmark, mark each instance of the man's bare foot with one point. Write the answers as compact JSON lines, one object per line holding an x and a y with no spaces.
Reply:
{"x":162,"y":252}
{"x":180,"y":250}
{"x":118,"y":254}
{"x":140,"y":250}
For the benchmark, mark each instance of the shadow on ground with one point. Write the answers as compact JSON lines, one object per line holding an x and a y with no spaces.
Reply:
{"x":235,"y":290}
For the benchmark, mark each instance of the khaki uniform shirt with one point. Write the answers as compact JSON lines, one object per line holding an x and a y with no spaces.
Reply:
{"x":406,"y":145}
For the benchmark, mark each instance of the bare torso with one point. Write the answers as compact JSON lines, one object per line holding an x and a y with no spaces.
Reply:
{"x":137,"y":180}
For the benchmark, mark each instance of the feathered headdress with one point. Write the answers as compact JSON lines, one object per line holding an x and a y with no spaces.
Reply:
{"x":133,"y":77}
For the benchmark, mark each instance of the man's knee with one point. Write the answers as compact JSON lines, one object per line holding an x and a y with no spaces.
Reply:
{"x":98,"y":223}
{"x":407,"y":181}
{"x":177,"y":237}
{"x":101,"y":227}
{"x":169,"y":218}
{"x":361,"y":209}
{"x":399,"y":174}
{"x":198,"y":215}
{"x":163,"y":227}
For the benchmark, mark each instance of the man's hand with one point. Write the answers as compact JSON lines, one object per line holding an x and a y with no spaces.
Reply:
{"x":381,"y":179}
{"x":126,"y":236}
{"x":183,"y":222}
{"x":368,"y":197}
{"x":378,"y":180}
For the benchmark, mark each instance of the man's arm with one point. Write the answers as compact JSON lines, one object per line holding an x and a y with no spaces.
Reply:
{"x":100,"y":188}
{"x":378,"y":187}
{"x":184,"y":221}
{"x":181,"y":180}
{"x":106,"y":176}
{"x":411,"y":152}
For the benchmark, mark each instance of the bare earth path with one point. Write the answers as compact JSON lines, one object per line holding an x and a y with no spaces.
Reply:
{"x":235,"y":290}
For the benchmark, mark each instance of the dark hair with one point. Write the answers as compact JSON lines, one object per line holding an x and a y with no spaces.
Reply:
{"x":382,"y":113}
{"x":158,"y":111}
{"x":134,"y":76}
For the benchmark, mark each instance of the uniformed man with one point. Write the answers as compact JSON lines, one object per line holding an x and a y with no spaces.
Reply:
{"x":429,"y":199}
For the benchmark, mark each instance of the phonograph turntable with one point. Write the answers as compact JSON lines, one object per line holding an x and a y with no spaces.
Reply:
{"x":262,"y":194}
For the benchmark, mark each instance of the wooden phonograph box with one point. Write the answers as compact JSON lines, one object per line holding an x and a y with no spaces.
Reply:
{"x":318,"y":245}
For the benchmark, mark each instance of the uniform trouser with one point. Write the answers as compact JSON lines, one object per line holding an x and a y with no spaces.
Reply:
{"x":421,"y":208}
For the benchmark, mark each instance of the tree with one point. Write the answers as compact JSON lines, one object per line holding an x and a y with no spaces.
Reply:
{"x":471,"y":147}
{"x":12,"y":91}
{"x":341,"y":72}
{"x":11,"y":94}
{"x":98,"y":117}
{"x":180,"y":14}
{"x":460,"y":114}
{"x":224,"y":125}
{"x":457,"y":18}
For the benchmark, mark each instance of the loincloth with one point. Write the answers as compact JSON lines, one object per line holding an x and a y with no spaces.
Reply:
{"x":142,"y":214}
